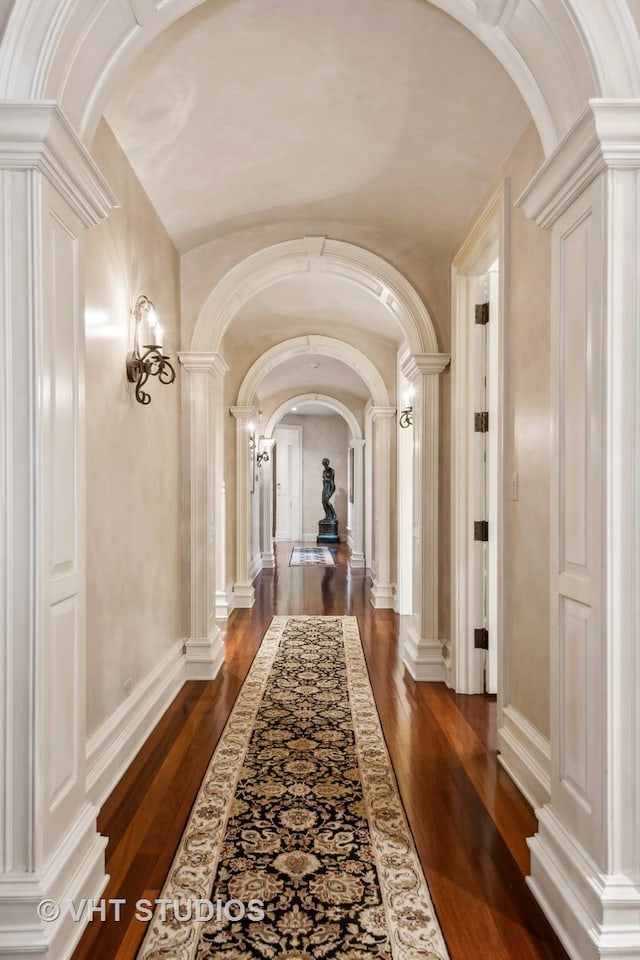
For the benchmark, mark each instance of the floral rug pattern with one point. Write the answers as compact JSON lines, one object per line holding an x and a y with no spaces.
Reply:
{"x":300,"y":810}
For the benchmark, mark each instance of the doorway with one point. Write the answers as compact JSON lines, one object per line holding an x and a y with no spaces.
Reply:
{"x":288,"y":480}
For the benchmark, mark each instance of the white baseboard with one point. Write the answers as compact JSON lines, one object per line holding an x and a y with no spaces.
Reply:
{"x":268,"y":560}
{"x":357,"y":561}
{"x":595,"y":916}
{"x":115,"y":743}
{"x":75,"y":872}
{"x":423,"y":658}
{"x":255,"y":567}
{"x":526,"y":756}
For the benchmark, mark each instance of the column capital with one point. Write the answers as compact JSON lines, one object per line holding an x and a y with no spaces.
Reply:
{"x":421,"y":364}
{"x":243,"y":413}
{"x":211,"y":363}
{"x":381,"y":413}
{"x":37,"y":136}
{"x":605,"y":137}
{"x":357,"y":443}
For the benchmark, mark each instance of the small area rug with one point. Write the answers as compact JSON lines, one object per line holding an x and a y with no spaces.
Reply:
{"x":303,"y":556}
{"x":300,"y":809}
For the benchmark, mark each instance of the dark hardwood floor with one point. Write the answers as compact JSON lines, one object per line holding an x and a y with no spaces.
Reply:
{"x":469,"y":822}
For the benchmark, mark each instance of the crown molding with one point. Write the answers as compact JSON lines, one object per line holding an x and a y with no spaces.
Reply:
{"x":37,"y":136}
{"x":605,"y":137}
{"x":418,"y":364}
{"x":213,"y":363}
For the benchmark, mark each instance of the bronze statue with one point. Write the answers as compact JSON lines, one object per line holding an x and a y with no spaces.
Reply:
{"x":328,"y":490}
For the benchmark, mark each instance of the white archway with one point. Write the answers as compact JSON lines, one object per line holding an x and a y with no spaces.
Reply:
{"x":559,"y":53}
{"x":305,"y":255}
{"x":355,"y":522}
{"x":303,"y":346}
{"x":304,"y":399}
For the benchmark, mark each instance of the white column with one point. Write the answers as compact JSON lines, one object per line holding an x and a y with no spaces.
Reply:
{"x":50,"y":191}
{"x":202,"y":396}
{"x":357,"y":559}
{"x":244,"y":593}
{"x":382,"y":594}
{"x":265,"y":472}
{"x":585,"y":858}
{"x":421,"y":644}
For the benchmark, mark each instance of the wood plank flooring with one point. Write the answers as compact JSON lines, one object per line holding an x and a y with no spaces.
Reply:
{"x":469,"y":822}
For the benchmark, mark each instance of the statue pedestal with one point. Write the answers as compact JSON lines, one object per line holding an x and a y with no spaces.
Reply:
{"x":327,"y":531}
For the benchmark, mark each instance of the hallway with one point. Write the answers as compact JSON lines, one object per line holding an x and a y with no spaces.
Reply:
{"x":468,"y":820}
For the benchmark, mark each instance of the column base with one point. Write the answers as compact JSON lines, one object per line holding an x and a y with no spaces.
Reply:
{"x":382,"y":596}
{"x":422,"y":657}
{"x":244,"y":595}
{"x":357,"y":560}
{"x":224,"y":604}
{"x":204,"y":657}
{"x":268,"y":560}
{"x":76,"y":872}
{"x":595,"y":915}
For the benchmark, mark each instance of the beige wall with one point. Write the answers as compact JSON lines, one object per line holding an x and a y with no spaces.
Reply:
{"x":134,"y":589}
{"x":529,"y":456}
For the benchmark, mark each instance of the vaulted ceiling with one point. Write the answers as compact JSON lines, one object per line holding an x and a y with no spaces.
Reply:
{"x":385,"y":114}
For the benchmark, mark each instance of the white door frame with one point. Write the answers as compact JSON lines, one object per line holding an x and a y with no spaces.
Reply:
{"x":486,"y":242}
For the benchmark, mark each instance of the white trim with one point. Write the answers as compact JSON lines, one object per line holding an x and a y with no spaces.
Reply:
{"x":382,"y":596}
{"x":204,"y":657}
{"x":594,"y":915}
{"x":255,"y":566}
{"x":279,"y":261}
{"x":526,"y":756}
{"x":604,"y":137}
{"x":114,"y":745}
{"x":423,"y":658}
{"x":37,"y":136}
{"x":486,"y":241}
{"x":75,"y":871}
{"x":305,"y":399}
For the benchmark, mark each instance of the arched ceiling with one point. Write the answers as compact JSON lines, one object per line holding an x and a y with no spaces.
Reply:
{"x":326,"y":301}
{"x":314,"y":374}
{"x":384,"y":114}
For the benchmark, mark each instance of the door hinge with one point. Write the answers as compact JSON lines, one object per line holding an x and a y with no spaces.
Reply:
{"x":481,"y":421}
{"x":482,"y":313}
{"x":481,"y":530}
{"x":481,"y":638}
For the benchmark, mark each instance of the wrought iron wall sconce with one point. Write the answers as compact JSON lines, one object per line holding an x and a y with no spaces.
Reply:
{"x":406,"y":417}
{"x":147,"y":359}
{"x":262,"y":456}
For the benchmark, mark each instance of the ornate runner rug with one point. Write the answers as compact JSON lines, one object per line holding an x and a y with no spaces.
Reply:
{"x":297,"y":846}
{"x":302,"y":556}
